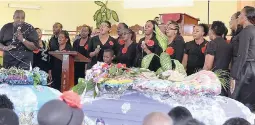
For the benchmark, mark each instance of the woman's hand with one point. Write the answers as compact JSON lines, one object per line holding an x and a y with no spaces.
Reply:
{"x":50,"y":76}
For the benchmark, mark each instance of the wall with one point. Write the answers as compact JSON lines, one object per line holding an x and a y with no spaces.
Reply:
{"x":72,"y":14}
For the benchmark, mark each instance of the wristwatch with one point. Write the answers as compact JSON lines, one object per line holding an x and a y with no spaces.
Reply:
{"x":23,"y":40}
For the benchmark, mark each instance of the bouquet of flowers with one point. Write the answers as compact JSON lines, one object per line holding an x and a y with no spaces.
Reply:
{"x":15,"y":76}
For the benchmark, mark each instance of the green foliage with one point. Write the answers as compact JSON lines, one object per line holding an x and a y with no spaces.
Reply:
{"x":36,"y":78}
{"x":165,"y":61}
{"x":224,"y":78}
{"x":162,"y":38}
{"x":104,"y":13}
{"x":147,"y":60}
{"x":179,"y":67}
{"x":82,"y":85}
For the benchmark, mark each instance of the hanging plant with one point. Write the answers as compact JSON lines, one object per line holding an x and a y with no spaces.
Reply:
{"x":104,"y":13}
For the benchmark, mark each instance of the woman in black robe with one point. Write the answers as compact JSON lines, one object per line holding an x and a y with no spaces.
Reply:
{"x":99,"y":43}
{"x":175,"y":47}
{"x":244,"y":65}
{"x":194,"y":57}
{"x":127,"y":51}
{"x":18,"y":39}
{"x":81,"y":45}
{"x":41,"y":56}
{"x":149,"y":44}
{"x":64,"y":45}
{"x":218,"y":52}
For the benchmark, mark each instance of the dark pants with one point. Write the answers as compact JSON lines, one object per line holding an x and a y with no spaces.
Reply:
{"x":79,"y":71}
{"x":245,"y":86}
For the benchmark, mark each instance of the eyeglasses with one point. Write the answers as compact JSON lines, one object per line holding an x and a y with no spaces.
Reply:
{"x":171,"y":29}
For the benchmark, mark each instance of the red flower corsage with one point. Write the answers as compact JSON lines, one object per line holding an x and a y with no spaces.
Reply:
{"x":86,"y":47}
{"x":119,"y":65}
{"x":121,"y":42}
{"x":36,"y":51}
{"x":150,"y":43}
{"x":203,"y":49}
{"x":170,"y":50}
{"x":72,"y":99}
{"x":124,"y":50}
{"x":111,"y":43}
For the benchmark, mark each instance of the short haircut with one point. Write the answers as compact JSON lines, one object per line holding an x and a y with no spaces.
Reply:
{"x":218,"y":27}
{"x":57,"y":23}
{"x":237,"y":121}
{"x":205,"y":28}
{"x":179,"y":113}
{"x":20,"y":11}
{"x":250,"y":14}
{"x":109,"y":51}
{"x":124,"y":24}
{"x":5,"y":102}
{"x":109,"y":25}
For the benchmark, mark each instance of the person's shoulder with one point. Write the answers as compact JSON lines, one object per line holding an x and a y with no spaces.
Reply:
{"x":141,"y":40}
{"x":7,"y":25}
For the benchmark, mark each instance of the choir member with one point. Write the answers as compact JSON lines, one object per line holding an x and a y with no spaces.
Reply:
{"x":53,"y":43}
{"x":244,"y":65}
{"x":218,"y":52}
{"x":64,"y":44}
{"x":108,"y":56}
{"x":81,"y":45}
{"x":120,"y":27}
{"x":235,"y":30}
{"x":41,"y":56}
{"x":194,"y":57}
{"x":175,"y":47}
{"x":127,"y":52}
{"x":18,"y":39}
{"x":99,"y":43}
{"x":147,"y":45}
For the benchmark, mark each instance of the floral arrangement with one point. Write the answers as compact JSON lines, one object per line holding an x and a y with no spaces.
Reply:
{"x":15,"y":76}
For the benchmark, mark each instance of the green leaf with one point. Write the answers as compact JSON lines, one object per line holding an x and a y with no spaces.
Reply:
{"x":159,"y":71}
{"x":95,"y":15}
{"x":165,"y":61}
{"x":147,"y":60}
{"x":82,"y":85}
{"x":102,"y":9}
{"x":115,"y":16}
{"x":104,"y":18}
{"x":162,"y":38}
{"x":179,"y":67}
{"x":113,"y":70}
{"x":224,"y":78}
{"x":99,"y":17}
{"x":99,"y":3}
{"x":108,"y":14}
{"x":98,"y":24}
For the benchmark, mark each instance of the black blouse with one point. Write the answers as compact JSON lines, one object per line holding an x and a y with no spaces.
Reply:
{"x":42,"y":58}
{"x":111,"y":43}
{"x":246,"y":50}
{"x":127,"y":55}
{"x":178,"y":45}
{"x":222,"y":52}
{"x":196,"y":56}
{"x":81,"y":49}
{"x":155,"y":48}
{"x":20,"y":56}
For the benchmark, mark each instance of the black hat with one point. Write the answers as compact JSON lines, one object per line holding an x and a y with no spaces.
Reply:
{"x":8,"y":117}
{"x":57,"y":112}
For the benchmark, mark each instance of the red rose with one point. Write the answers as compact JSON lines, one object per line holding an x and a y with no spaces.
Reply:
{"x":203,"y":49}
{"x":86,"y":47}
{"x":36,"y":51}
{"x":121,"y":42}
{"x":111,"y":43}
{"x":72,"y":99}
{"x":124,"y":50}
{"x":150,"y":43}
{"x":105,"y":65}
{"x":170,"y":50}
{"x":119,"y":65}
